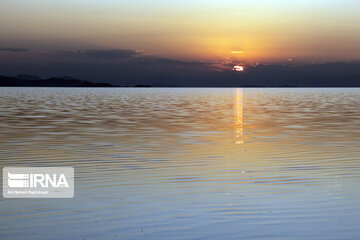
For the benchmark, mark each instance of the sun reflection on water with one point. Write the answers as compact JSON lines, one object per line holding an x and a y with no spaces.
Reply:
{"x":239,"y":121}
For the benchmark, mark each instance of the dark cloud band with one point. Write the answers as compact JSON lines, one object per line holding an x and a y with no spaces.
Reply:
{"x":107,"y":54}
{"x":13,"y":50}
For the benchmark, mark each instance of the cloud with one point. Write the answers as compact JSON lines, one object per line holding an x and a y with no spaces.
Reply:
{"x":130,"y":56}
{"x":172,"y":61}
{"x":107,"y":54}
{"x":168,"y":61}
{"x":237,"y":52}
{"x":13,"y":50}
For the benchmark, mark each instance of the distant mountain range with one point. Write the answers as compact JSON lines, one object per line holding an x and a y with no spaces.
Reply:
{"x":34,"y":81}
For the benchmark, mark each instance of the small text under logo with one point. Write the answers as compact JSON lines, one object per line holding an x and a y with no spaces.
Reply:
{"x":39,"y":182}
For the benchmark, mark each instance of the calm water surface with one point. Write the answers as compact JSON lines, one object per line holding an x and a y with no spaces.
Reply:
{"x":186,"y":163}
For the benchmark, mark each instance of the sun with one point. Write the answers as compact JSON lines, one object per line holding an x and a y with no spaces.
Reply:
{"x":238,"y":68}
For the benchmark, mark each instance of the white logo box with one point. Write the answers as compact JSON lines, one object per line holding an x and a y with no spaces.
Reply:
{"x":38,"y":182}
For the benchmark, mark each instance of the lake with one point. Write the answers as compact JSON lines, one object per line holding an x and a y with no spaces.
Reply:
{"x":186,"y":163}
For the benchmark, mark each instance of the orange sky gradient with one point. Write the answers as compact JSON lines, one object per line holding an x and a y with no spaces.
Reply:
{"x":229,"y":30}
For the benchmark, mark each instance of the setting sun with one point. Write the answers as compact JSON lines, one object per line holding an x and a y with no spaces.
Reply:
{"x":238,"y":68}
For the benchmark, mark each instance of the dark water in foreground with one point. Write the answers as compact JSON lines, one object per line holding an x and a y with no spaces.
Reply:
{"x":186,"y":163}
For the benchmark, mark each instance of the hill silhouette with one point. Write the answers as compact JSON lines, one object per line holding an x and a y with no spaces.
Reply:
{"x":33,"y":81}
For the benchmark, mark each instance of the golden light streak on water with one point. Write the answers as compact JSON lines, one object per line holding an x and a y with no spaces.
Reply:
{"x":239,"y":121}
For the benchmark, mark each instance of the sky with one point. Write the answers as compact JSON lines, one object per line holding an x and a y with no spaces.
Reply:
{"x":221,"y":32}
